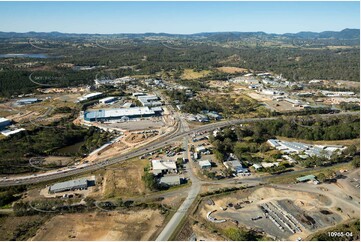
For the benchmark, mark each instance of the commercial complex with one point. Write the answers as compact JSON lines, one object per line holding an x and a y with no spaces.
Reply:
{"x":301,"y":148}
{"x":120,"y":113}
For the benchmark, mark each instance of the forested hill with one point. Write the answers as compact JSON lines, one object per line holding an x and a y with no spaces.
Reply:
{"x":346,"y":34}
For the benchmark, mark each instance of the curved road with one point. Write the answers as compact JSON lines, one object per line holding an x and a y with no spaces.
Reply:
{"x":181,"y":132}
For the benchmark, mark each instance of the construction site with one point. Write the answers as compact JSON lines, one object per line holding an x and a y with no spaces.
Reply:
{"x":282,"y":213}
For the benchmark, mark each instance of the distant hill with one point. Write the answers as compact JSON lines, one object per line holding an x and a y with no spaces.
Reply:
{"x":346,"y":34}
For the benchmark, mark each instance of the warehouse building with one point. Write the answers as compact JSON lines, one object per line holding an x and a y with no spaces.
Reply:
{"x":149,"y":101}
{"x":288,"y":147}
{"x":78,"y":184}
{"x":204,"y":164}
{"x":173,"y":180}
{"x":8,"y":132}
{"x":161,"y":167}
{"x":306,"y":178}
{"x":90,"y":96}
{"x":120,"y":113}
{"x":137,"y":94}
{"x":26,"y":101}
{"x":4,"y":122}
{"x":235,"y":166}
{"x":107,"y":100}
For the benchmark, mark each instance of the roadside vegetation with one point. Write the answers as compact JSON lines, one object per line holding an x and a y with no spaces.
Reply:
{"x":349,"y":231}
{"x":248,"y":142}
{"x":16,"y":150}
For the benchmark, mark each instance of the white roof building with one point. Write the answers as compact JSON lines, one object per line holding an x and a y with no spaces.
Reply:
{"x":205,"y":164}
{"x":170,"y":180}
{"x":268,"y":165}
{"x":90,"y":96}
{"x":107,"y":100}
{"x":4,"y":122}
{"x":201,"y":148}
{"x":118,"y":113}
{"x":11,"y":132}
{"x":163,"y":166}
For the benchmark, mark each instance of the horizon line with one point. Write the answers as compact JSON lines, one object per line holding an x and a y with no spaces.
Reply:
{"x":256,"y":31}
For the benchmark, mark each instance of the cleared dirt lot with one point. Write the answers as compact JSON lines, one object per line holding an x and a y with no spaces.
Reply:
{"x":231,"y":70}
{"x":189,"y":74}
{"x":124,"y":180}
{"x":10,"y":226}
{"x":133,"y":225}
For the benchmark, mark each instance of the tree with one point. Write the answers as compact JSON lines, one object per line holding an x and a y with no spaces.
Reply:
{"x":219,"y":156}
{"x":236,"y":234}
{"x":321,"y":177}
{"x":89,"y":201}
{"x":150,"y":181}
{"x":356,"y":162}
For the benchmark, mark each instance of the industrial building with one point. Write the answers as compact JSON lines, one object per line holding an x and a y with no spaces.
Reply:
{"x":300,"y":148}
{"x":161,"y":167}
{"x":78,"y":184}
{"x":201,"y":149}
{"x":8,"y":132}
{"x":235,"y":166}
{"x":26,"y":101}
{"x":204,"y":164}
{"x":107,"y":100}
{"x":336,"y":94}
{"x":173,"y":180}
{"x":4,"y":122}
{"x":90,"y":96}
{"x":306,"y":178}
{"x":149,"y":101}
{"x":137,"y":94}
{"x":120,"y":113}
{"x":202,"y":118}
{"x":128,"y":105}
{"x":214,"y":115}
{"x":114,"y":82}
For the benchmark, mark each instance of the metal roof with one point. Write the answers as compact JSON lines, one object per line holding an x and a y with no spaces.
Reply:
{"x":92,"y":95}
{"x":306,"y":178}
{"x":69,"y":184}
{"x":163,"y":165}
{"x":107,"y":99}
{"x":203,"y":163}
{"x":4,"y":120}
{"x":120,"y":112}
{"x":26,"y":100}
{"x":170,"y":179}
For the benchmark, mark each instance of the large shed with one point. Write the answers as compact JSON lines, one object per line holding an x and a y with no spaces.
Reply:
{"x":78,"y":184}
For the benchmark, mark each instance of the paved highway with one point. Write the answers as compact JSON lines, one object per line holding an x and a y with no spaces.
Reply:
{"x":181,"y":132}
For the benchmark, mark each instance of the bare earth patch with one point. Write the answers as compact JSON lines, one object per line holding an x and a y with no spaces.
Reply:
{"x":134,"y":225}
{"x":231,"y":70}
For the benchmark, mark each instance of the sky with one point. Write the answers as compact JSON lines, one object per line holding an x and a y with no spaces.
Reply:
{"x":178,"y":17}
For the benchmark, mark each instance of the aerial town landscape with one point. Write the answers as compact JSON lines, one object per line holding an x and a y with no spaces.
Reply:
{"x":214,"y":136}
